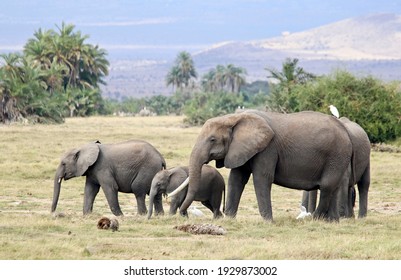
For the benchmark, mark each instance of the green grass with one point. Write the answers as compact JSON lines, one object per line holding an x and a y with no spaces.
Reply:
{"x":30,"y":155}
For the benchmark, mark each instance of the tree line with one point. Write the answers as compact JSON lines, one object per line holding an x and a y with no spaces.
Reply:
{"x":58,"y":75}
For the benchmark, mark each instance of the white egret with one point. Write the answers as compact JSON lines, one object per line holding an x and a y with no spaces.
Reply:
{"x":334,"y":111}
{"x":195,"y":211}
{"x":303,"y":213}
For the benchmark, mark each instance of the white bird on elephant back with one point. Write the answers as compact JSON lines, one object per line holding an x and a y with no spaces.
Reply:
{"x":334,"y":111}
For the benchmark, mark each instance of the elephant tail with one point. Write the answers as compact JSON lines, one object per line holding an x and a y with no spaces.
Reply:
{"x":353,"y":168}
{"x":164,"y":165}
{"x":352,"y":179}
{"x":224,"y":199}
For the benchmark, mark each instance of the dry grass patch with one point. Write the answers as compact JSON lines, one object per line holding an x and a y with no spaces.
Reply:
{"x":30,"y":155}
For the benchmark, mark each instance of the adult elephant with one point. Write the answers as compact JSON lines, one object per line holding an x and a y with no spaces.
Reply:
{"x":360,"y":177}
{"x":127,"y":167}
{"x":166,"y":182}
{"x":306,"y":150}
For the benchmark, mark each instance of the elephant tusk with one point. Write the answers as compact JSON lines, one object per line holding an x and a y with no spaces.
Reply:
{"x":59,"y":179}
{"x":180,"y":188}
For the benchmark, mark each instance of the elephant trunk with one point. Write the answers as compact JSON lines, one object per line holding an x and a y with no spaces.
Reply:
{"x":152,"y":195}
{"x":196,"y":161}
{"x":57,"y":186}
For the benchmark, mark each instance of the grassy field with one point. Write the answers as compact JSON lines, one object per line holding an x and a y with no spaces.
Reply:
{"x":30,"y":154}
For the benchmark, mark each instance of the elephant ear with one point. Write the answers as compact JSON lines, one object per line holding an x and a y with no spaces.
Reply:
{"x":178,"y":175}
{"x":250,"y":135}
{"x":86,"y":157}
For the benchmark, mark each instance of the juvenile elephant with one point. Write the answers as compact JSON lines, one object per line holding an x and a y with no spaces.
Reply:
{"x":127,"y":167}
{"x":210,"y":189}
{"x":361,"y":176}
{"x":306,"y":150}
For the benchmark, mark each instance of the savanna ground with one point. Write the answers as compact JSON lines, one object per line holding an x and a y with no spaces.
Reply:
{"x":29,"y":155}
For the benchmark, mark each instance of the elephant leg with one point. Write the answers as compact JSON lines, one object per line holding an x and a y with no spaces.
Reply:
{"x":141,"y":205}
{"x":344,"y":201}
{"x":236,"y":183}
{"x":208,"y":205}
{"x":91,"y":190}
{"x":328,"y":205}
{"x":351,"y":202}
{"x":330,"y":187}
{"x":159,"y":205}
{"x":110,"y":191}
{"x":305,"y":199}
{"x":184,"y":213}
{"x":312,"y":201}
{"x":321,"y":211}
{"x":363,"y":189}
{"x":333,"y":214}
{"x":174,"y":205}
{"x":214,"y":205}
{"x":309,"y":199}
{"x":263,"y":184}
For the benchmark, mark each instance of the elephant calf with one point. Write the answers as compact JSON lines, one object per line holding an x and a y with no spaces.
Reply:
{"x":127,"y":167}
{"x":210,"y":192}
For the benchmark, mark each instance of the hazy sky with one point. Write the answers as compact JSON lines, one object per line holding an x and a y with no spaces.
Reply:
{"x":157,"y":25}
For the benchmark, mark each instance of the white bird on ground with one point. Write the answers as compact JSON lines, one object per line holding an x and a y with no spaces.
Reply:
{"x":303,"y":213}
{"x":334,"y":111}
{"x":195,"y":211}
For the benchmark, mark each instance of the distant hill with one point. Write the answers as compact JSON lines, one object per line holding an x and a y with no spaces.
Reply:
{"x":367,"y":45}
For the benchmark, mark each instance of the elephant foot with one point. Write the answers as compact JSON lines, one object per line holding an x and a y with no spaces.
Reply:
{"x":160,"y":213}
{"x":117,"y":213}
{"x":218,"y":215}
{"x":230,"y":214}
{"x":267,"y":219}
{"x":325,"y":216}
{"x":184,"y":213}
{"x":317,"y":215}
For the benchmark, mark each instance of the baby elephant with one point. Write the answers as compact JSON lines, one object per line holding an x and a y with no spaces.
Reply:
{"x":210,"y":192}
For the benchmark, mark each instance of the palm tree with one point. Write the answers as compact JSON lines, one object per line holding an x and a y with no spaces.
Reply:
{"x":234,"y":77}
{"x":10,"y":73}
{"x":290,"y":74}
{"x":173,"y":77}
{"x":208,"y":81}
{"x":37,"y":48}
{"x":281,"y":98}
{"x":54,"y":76}
{"x":182,"y":71}
{"x":82,"y":65}
{"x":93,"y":66}
{"x":224,"y":78}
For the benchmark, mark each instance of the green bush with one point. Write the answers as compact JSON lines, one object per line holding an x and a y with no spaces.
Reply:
{"x":206,"y":105}
{"x":370,"y":102}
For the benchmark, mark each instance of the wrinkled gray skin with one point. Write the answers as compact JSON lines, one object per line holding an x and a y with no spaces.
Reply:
{"x":210,"y":192}
{"x":127,"y":167}
{"x":306,"y":150}
{"x":361,"y":176}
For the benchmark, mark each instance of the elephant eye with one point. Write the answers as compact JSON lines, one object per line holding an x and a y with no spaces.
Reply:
{"x":212,"y":139}
{"x":158,"y":184}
